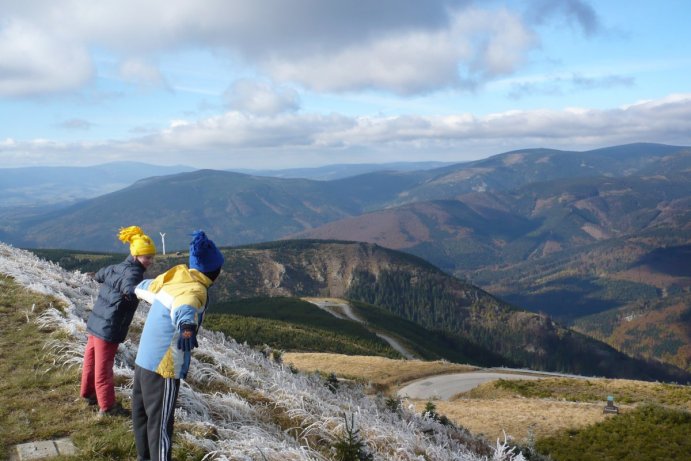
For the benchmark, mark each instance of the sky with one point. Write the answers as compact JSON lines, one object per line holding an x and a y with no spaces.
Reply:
{"x":272,"y":84}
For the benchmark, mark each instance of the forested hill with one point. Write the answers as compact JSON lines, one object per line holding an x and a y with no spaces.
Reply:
{"x":416,"y":290}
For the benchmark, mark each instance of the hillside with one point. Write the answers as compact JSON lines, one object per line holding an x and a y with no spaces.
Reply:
{"x":486,"y":229}
{"x":233,"y":207}
{"x":235,"y":403}
{"x":417,"y":291}
{"x":570,"y":248}
{"x":513,"y":170}
{"x":292,"y":324}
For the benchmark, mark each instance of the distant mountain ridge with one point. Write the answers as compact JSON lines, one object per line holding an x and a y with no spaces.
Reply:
{"x":515,"y":169}
{"x":233,"y":207}
{"x":61,"y":185}
{"x":33,"y":186}
{"x":242,"y":209}
{"x":478,"y":229}
{"x":344,"y":170}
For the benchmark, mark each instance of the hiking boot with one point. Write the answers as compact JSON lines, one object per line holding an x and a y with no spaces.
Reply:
{"x":115,"y":410}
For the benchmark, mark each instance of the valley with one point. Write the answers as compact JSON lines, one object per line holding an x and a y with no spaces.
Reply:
{"x":540,"y":416}
{"x":565,"y":262}
{"x":432,"y":314}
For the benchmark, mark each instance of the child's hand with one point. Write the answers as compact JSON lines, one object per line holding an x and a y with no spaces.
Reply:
{"x":188,"y":337}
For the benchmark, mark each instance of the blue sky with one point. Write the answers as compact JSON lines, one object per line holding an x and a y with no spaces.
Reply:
{"x":296,"y":83}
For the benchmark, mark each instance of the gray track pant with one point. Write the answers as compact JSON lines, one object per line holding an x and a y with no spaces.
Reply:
{"x":153,"y":413}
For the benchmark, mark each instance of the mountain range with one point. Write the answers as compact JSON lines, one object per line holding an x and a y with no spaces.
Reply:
{"x":571,"y":234}
{"x":44,"y":186}
{"x":462,"y":322}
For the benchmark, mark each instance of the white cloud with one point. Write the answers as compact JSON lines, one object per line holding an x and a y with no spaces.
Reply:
{"x":35,"y":62}
{"x":402,"y":46}
{"x":236,"y":139}
{"x":238,"y":130}
{"x":476,"y":45}
{"x":259,"y":98}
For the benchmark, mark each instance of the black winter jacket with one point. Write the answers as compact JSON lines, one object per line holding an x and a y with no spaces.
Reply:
{"x":116,"y":304}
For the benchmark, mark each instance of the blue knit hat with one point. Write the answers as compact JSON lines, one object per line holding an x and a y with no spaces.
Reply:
{"x":204,"y":256}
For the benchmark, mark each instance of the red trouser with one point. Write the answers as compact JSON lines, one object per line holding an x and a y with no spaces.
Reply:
{"x":97,"y":374}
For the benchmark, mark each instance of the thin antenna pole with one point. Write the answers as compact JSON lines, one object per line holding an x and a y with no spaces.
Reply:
{"x":163,"y":241}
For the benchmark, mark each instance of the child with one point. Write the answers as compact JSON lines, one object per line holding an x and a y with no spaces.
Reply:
{"x":178,"y":300}
{"x":110,"y":319}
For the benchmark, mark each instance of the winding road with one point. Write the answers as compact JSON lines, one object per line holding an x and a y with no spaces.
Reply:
{"x":342,"y":310}
{"x":435,"y":387}
{"x":446,"y":386}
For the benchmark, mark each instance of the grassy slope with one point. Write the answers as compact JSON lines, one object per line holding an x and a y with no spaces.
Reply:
{"x":29,"y":384}
{"x":566,"y":416}
{"x":646,"y":433}
{"x":553,"y":412}
{"x":40,"y":402}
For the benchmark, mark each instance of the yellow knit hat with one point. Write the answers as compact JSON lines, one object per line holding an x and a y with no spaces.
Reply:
{"x":140,"y":243}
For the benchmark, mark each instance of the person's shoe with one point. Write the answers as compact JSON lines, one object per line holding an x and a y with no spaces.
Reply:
{"x":115,"y":410}
{"x":90,"y":400}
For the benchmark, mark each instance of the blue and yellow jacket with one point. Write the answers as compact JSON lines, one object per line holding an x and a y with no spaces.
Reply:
{"x":178,"y":296}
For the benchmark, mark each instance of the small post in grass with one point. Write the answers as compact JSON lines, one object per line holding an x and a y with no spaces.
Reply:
{"x":611,"y":407}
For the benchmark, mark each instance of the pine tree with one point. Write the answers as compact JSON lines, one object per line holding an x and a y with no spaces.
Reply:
{"x":349,"y":446}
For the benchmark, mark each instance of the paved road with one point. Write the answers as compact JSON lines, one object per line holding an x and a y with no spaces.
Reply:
{"x":343,"y":310}
{"x":398,"y":347}
{"x":445,"y":386}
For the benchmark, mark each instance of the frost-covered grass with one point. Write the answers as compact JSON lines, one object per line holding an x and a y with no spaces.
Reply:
{"x":238,"y":405}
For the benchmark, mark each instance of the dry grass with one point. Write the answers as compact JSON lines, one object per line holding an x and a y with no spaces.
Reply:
{"x":516,"y":417}
{"x":624,"y":391}
{"x":547,"y":406}
{"x":521,"y":409}
{"x":377,"y":370}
